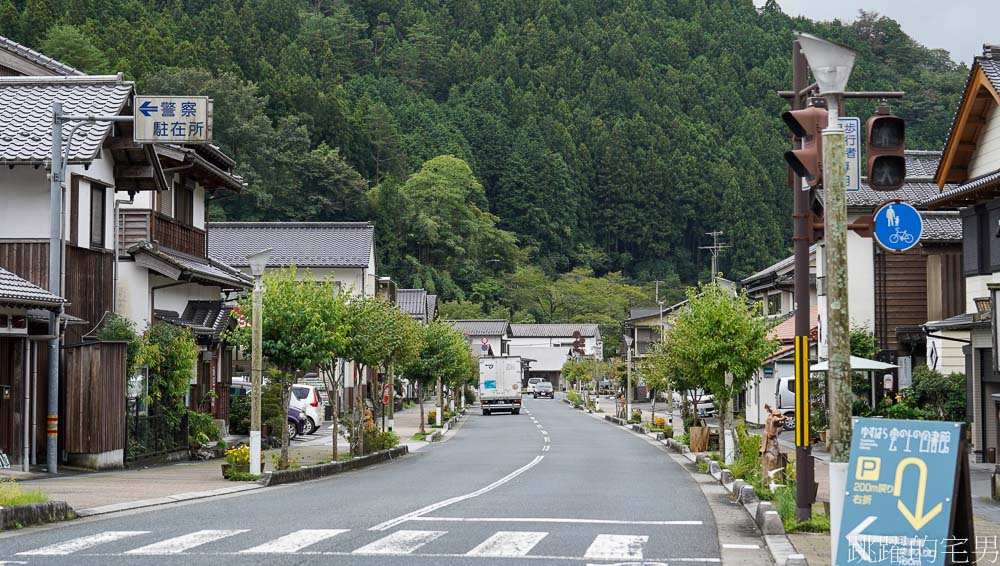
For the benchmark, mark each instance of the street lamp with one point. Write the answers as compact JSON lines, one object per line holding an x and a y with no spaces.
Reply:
{"x":831,"y":66}
{"x":258,"y":262}
{"x":628,"y":377}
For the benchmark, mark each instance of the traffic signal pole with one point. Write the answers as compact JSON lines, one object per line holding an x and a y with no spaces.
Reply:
{"x":804,"y":465}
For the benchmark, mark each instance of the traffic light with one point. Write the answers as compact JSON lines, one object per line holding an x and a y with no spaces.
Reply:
{"x":886,"y":137}
{"x":807,"y":125}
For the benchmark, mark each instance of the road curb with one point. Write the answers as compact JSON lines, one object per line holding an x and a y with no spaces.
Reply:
{"x":772,"y":532}
{"x":34,"y":514}
{"x":279,"y":477}
{"x":189,"y":496}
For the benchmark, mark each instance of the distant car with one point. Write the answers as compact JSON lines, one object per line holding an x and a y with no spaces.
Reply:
{"x":296,"y":422}
{"x":544,"y":389}
{"x":531,"y":384}
{"x":306,"y":397}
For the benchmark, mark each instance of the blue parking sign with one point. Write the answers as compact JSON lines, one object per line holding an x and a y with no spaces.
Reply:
{"x":902,"y":493}
{"x":898,"y":226}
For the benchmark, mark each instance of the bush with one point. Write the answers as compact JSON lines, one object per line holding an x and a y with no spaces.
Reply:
{"x":242,"y":476}
{"x":470,"y":395}
{"x":574,"y":397}
{"x":432,"y":417}
{"x":238,"y":455}
{"x":377,"y":441}
{"x":636,"y":416}
{"x":239,"y":415}
{"x":659,"y":422}
{"x":784,"y":503}
{"x":684,"y":439}
{"x":202,"y":429}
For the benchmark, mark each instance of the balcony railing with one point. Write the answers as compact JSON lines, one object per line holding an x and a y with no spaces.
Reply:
{"x":135,"y":225}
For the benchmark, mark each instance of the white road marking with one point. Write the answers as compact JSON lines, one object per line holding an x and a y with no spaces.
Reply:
{"x":179,"y":544}
{"x":741,"y":546}
{"x":294,"y":542}
{"x":554,"y":520}
{"x":544,"y":433}
{"x":606,"y":547}
{"x":546,"y":440}
{"x":441,"y":504}
{"x":545,"y":448}
{"x":508,"y":543}
{"x":399,"y":542}
{"x":82,"y":543}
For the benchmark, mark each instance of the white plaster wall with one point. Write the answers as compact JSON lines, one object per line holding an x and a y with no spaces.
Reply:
{"x":761,"y":390}
{"x":143,"y":199}
{"x":25,"y":210}
{"x":176,"y":298}
{"x":861,"y":279}
{"x":986,"y":158}
{"x":199,"y":207}
{"x":102,"y":168}
{"x":350,"y":278}
{"x":950,"y":356}
{"x":975,"y":286}
{"x":133,"y":293}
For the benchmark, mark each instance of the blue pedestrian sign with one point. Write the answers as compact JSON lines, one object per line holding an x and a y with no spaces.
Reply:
{"x":902,"y":494}
{"x":898,"y":226}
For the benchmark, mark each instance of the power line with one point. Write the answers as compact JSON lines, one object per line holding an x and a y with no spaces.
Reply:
{"x":716,"y":249}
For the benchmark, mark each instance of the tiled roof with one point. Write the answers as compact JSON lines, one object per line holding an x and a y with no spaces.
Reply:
{"x":26,"y":115}
{"x":918,"y":193}
{"x":413,"y":302}
{"x":209,"y":318}
{"x":17,"y":291}
{"x":36,"y":57}
{"x":775,"y":267}
{"x":941,"y":227}
{"x":303,"y":244}
{"x":785,"y":330}
{"x":921,"y":164}
{"x":552,"y":330}
{"x":432,"y":301}
{"x":959,"y":322}
{"x":481,"y":327}
{"x":211,"y":270}
{"x":991,"y":68}
{"x":951,"y":192}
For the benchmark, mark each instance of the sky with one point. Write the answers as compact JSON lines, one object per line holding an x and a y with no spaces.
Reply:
{"x":934,"y":23}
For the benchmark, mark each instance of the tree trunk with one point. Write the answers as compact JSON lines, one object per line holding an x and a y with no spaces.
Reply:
{"x":286,"y":389}
{"x":420,"y":401}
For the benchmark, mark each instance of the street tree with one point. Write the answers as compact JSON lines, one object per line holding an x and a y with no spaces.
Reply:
{"x":654,"y":368}
{"x":720,"y":338}
{"x":444,"y":355}
{"x":303,"y":327}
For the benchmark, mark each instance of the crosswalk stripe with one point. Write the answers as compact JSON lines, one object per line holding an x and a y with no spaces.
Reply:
{"x":399,"y":542}
{"x":179,"y":544}
{"x":82,"y":543}
{"x":617,"y":546}
{"x":508,"y":543}
{"x":294,"y":542}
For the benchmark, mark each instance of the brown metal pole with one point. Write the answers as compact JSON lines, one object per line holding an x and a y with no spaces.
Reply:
{"x":804,"y":465}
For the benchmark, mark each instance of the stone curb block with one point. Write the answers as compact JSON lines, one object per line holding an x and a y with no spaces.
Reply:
{"x":728,"y":481}
{"x":279,"y":477}
{"x":433,"y":436}
{"x":762,"y":507}
{"x":34,"y":514}
{"x":772,"y":524}
{"x":747,"y":495}
{"x":796,"y":560}
{"x":715,"y":469}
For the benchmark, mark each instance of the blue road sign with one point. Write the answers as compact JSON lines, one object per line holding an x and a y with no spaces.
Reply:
{"x":898,"y":226}
{"x":895,"y":512}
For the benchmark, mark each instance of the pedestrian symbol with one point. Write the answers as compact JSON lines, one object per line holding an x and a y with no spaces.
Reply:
{"x":898,"y":226}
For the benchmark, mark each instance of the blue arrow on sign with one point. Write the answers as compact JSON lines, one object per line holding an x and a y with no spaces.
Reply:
{"x":147,"y":108}
{"x":898,"y":226}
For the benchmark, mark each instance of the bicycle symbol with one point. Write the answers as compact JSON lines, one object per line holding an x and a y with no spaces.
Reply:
{"x":901,"y":236}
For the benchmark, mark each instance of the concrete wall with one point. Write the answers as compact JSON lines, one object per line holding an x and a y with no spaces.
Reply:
{"x":133,"y":293}
{"x":986,"y":158}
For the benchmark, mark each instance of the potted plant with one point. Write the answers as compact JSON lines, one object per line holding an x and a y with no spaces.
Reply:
{"x":237,"y":461}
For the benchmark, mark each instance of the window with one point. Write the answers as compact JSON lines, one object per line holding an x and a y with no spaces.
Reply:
{"x":774,"y":304}
{"x":184,"y":204}
{"x":97,"y":215}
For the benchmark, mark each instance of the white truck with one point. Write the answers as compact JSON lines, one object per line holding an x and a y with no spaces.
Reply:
{"x":500,"y":384}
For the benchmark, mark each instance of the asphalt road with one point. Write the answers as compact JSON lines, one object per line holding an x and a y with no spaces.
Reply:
{"x":550,"y":485}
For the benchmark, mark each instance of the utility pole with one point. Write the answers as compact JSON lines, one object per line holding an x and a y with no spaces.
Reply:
{"x":716,"y":248}
{"x":805,"y":467}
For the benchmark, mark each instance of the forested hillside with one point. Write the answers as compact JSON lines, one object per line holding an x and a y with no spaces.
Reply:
{"x":599,"y":137}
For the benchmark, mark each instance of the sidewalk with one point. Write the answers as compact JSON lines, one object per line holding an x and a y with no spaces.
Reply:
{"x":816,"y":547}
{"x":103,"y":492}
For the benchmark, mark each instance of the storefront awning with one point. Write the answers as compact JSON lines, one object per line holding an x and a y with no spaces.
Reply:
{"x":857,"y":364}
